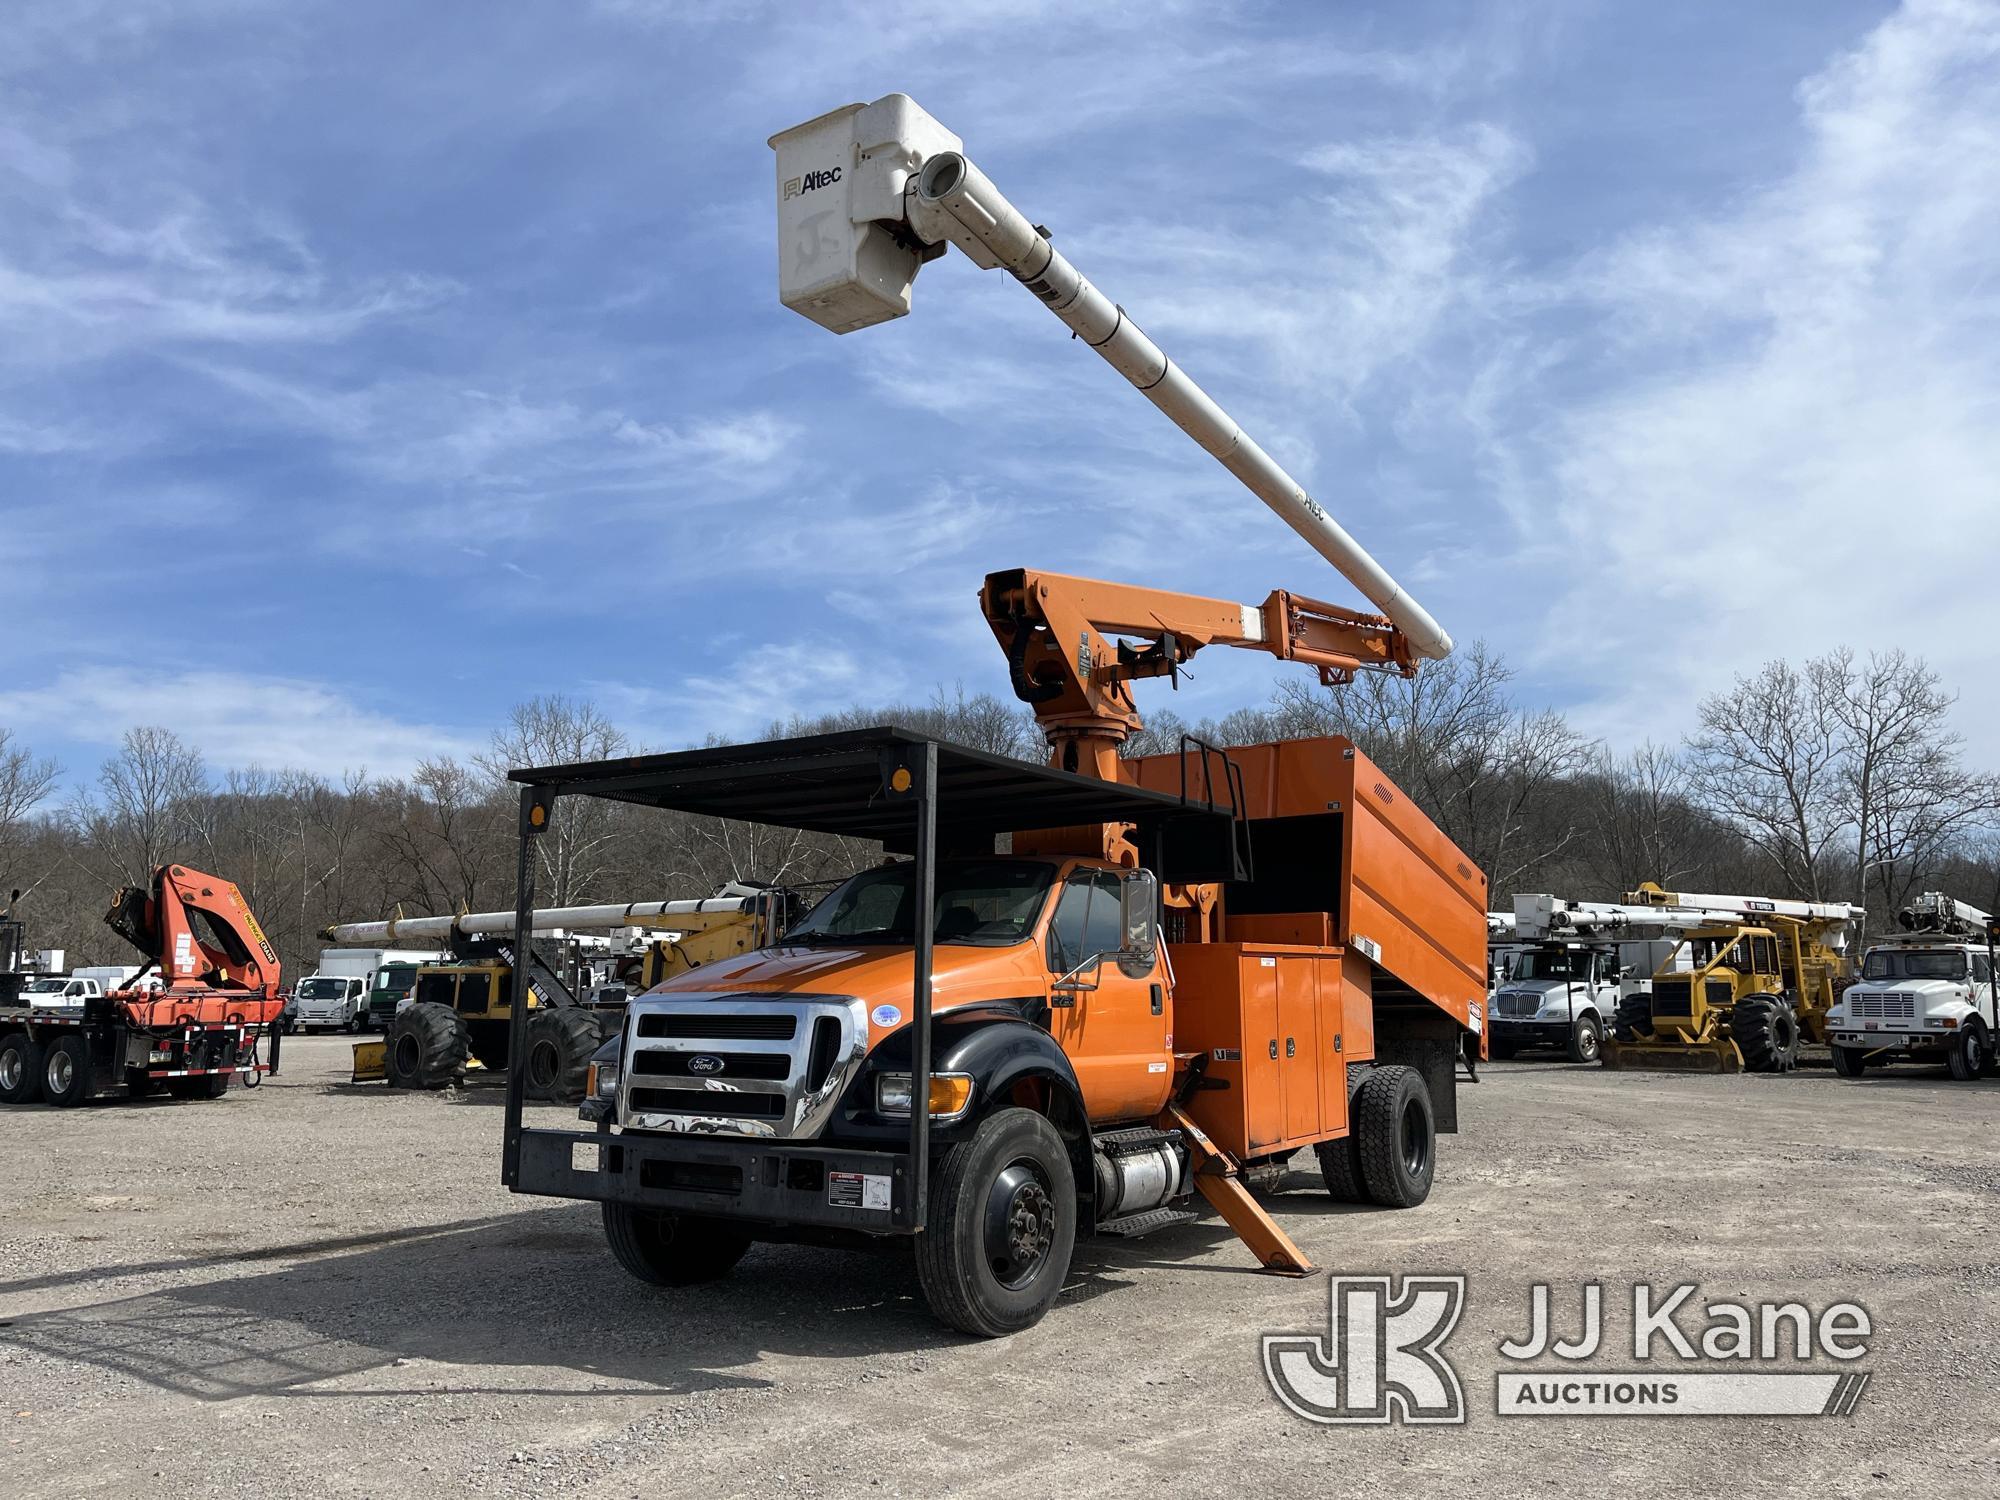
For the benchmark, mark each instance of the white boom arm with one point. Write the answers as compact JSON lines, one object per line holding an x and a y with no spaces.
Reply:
{"x":866,"y":194}
{"x":1541,"y":918}
{"x":547,"y":919}
{"x":1934,"y":911}
{"x":1751,"y":907}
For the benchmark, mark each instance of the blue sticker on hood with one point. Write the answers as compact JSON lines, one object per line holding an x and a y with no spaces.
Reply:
{"x":887,"y":1015}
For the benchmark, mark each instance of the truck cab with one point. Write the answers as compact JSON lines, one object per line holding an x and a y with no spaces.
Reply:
{"x":1557,"y":994}
{"x":1034,"y":977}
{"x":1920,"y":998}
{"x":56,"y":992}
{"x":331,"y":1002}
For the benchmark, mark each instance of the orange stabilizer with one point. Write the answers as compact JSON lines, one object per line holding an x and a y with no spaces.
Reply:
{"x":1216,"y":1175}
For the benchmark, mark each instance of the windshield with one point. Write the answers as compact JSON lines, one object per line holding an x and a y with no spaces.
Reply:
{"x":398,"y":980}
{"x":981,"y":903}
{"x":1913,"y":963}
{"x":46,"y":987}
{"x":322,"y":989}
{"x":1553,"y":963}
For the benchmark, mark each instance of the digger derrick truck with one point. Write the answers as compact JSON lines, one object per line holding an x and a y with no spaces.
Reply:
{"x":190,"y":1034}
{"x":1926,"y":994}
{"x":1184,"y":968}
{"x":460,"y":1011}
{"x":1750,"y":980}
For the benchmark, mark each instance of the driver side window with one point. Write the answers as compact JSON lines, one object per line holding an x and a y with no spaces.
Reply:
{"x":1086,"y":920}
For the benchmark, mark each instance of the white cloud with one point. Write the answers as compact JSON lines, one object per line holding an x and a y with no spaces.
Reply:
{"x":235,"y":719}
{"x":1793,"y":441}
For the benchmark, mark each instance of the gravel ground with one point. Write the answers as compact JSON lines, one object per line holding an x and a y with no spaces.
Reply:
{"x":320,"y":1289}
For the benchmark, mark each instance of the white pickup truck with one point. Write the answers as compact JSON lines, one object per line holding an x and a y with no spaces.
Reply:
{"x":59,"y":992}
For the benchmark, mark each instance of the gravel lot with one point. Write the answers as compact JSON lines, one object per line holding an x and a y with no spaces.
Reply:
{"x":320,"y":1289}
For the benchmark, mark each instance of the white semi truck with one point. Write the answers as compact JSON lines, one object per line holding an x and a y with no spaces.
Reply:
{"x":1569,"y":963}
{"x":1926,"y":994}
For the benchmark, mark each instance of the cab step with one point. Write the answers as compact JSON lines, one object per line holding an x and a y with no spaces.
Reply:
{"x":1134,"y":1138}
{"x":1133,"y":1225}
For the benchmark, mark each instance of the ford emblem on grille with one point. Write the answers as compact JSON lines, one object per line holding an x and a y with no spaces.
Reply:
{"x":702,"y":1062}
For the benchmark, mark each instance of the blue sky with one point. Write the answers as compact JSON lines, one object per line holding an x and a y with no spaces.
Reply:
{"x":365,"y":368}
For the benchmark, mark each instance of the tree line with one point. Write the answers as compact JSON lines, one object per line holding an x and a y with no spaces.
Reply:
{"x":1840,"y":779}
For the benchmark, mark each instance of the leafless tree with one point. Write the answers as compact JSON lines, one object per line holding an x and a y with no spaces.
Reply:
{"x":1908,"y":794}
{"x":25,"y":782}
{"x":1771,"y":759}
{"x":553,"y":731}
{"x":149,"y":789}
{"x":1643,"y":824}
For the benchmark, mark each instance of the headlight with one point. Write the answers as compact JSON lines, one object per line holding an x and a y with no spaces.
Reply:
{"x":603,"y":1081}
{"x":951,"y":1094}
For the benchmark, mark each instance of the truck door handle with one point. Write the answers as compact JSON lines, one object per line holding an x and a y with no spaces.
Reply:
{"x":1159,"y":1000}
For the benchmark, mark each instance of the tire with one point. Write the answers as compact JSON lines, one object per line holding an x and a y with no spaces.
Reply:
{"x":1850,"y":1062}
{"x":1397,"y":1135}
{"x":664,"y":1249}
{"x":1635,"y":1017}
{"x":1766,"y":1031}
{"x":1969,"y":1053}
{"x":1001,"y":1226}
{"x":67,"y":1074}
{"x":1340,"y":1161}
{"x":20,"y":1068}
{"x":425,"y":1048}
{"x":559,"y":1044}
{"x":1586,"y":1039}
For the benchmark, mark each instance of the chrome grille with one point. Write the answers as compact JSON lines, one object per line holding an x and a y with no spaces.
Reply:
{"x":782,"y":1065}
{"x":1516,"y":1003}
{"x":1887,"y":1007}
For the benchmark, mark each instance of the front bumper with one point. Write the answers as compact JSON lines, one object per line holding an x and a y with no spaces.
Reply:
{"x":1524,"y":1033}
{"x":789,"y":1183}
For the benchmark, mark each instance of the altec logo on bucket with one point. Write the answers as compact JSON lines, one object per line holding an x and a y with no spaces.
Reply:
{"x":1382,"y":1357}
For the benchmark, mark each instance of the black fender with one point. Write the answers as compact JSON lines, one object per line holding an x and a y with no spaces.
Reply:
{"x":1000,"y":1048}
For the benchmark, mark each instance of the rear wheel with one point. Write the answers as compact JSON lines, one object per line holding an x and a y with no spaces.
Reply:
{"x":1850,"y":1062}
{"x":1000,"y":1228}
{"x":1586,"y":1038}
{"x":425,"y":1049}
{"x":1967,"y":1054}
{"x":1397,"y":1136}
{"x":664,"y":1249}
{"x":560,"y":1043}
{"x":1635,"y":1017}
{"x":67,"y":1072}
{"x":1766,"y":1031}
{"x":20,"y":1068}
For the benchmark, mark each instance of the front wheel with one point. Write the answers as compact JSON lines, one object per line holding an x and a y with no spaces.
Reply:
{"x":663,"y":1249}
{"x":1967,"y":1056}
{"x":1850,"y":1062}
{"x":1001,"y":1226}
{"x":426,"y":1047}
{"x":1586,"y":1037}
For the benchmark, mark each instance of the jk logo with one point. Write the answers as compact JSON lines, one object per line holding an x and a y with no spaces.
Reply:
{"x":1379,"y":1360}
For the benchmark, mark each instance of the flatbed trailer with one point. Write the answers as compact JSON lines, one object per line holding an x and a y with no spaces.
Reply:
{"x":126,"y":1043}
{"x":190,"y":1036}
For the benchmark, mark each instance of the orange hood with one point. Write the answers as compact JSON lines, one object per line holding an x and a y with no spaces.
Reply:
{"x":881,"y":976}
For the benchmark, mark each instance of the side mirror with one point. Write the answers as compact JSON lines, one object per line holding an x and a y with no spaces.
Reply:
{"x":1139,"y":916}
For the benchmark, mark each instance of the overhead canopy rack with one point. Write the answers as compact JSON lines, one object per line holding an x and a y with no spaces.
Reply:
{"x":839,"y":783}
